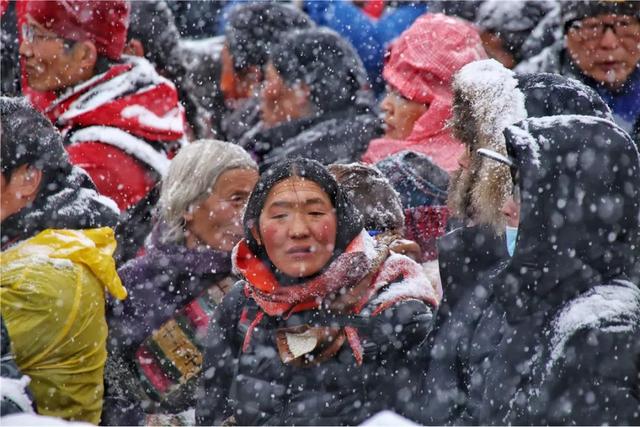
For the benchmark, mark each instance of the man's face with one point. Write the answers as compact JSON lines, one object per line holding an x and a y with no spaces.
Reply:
{"x":51,"y":63}
{"x":606,"y":47}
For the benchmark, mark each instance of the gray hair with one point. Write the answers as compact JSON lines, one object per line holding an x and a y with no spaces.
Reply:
{"x":192,"y":174}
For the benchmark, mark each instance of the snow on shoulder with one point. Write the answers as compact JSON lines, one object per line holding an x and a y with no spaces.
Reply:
{"x":611,"y":308}
{"x":388,"y":418}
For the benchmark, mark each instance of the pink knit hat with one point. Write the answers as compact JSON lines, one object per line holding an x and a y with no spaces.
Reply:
{"x":423,"y":59}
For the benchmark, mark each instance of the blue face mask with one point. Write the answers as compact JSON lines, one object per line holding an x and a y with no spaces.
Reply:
{"x":511,"y":235}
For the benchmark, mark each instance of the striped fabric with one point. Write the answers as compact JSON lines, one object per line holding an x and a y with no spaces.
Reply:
{"x":170,"y":360}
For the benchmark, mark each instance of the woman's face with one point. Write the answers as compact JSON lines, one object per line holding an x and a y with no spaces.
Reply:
{"x":217,"y":220}
{"x":400,"y":115}
{"x":297,"y":227}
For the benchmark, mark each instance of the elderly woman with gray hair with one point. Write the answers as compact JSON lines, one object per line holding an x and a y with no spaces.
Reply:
{"x":156,"y":333}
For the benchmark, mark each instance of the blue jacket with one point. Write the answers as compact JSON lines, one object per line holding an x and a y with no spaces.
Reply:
{"x":367,"y":35}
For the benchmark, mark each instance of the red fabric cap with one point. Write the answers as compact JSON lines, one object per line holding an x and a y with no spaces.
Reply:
{"x":104,"y":23}
{"x":425,"y":57}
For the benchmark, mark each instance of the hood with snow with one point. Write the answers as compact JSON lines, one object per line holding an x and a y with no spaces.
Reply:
{"x":487,"y":98}
{"x":420,"y":66}
{"x":579,"y":179}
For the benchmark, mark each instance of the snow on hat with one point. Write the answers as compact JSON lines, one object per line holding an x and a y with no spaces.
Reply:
{"x":104,"y":23}
{"x":253,"y":29}
{"x":577,"y":10}
{"x":422,"y":61}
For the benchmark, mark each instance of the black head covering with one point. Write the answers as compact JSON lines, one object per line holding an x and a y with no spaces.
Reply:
{"x":579,"y":179}
{"x":253,"y":29}
{"x":325,"y":62}
{"x":67,"y":196}
{"x":512,"y":22}
{"x":349,"y":222}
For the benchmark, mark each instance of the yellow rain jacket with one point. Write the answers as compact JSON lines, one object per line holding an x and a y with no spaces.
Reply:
{"x":52,"y":298}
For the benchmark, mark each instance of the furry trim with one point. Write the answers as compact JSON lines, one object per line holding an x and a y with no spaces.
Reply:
{"x":486,"y":101}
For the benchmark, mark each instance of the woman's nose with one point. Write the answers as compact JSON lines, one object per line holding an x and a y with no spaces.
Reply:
{"x":298,"y":227}
{"x":25,"y":48}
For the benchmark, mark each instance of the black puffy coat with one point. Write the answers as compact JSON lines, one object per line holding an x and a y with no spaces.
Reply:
{"x":567,"y":306}
{"x":255,"y":387}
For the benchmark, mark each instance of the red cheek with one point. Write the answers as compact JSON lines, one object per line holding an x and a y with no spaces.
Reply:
{"x":271,"y":233}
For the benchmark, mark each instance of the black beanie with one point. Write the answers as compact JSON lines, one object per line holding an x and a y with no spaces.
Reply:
{"x":349,"y":222}
{"x":325,"y":62}
{"x":578,"y":10}
{"x":253,"y":29}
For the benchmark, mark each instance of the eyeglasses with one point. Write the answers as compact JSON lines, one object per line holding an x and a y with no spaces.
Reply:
{"x":591,"y":30}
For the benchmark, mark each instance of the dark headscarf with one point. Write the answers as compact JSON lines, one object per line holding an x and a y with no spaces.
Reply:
{"x":349,"y":222}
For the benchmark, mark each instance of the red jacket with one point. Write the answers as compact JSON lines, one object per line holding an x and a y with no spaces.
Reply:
{"x":122,"y":127}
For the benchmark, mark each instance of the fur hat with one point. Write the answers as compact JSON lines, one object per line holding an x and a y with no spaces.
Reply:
{"x":578,"y":10}
{"x":487,"y":98}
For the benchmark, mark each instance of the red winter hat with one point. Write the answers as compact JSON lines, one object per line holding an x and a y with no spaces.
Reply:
{"x":103,"y":22}
{"x":421,"y":62}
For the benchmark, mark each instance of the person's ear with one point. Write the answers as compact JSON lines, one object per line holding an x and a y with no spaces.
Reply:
{"x":134,"y":48}
{"x":25,"y":182}
{"x":86,"y":55}
{"x":256,"y":235}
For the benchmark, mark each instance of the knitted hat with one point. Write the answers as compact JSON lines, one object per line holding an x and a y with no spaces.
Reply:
{"x":422,"y":61}
{"x":104,"y":23}
{"x":577,"y":10}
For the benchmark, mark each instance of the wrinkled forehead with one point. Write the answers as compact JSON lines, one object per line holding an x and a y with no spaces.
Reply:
{"x":297,"y":191}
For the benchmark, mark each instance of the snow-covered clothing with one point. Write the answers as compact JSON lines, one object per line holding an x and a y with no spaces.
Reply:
{"x":121,"y":126}
{"x":14,"y":395}
{"x":488,"y":98}
{"x":53,"y":302}
{"x":339,"y":136}
{"x":268,"y":369}
{"x":241,"y":119}
{"x":624,"y":102}
{"x":514,"y":23}
{"x":569,"y":297}
{"x":369,"y":36}
{"x":156,"y":334}
{"x":420,"y":67}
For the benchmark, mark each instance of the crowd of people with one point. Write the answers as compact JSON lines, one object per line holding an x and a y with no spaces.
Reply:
{"x":268,"y":213}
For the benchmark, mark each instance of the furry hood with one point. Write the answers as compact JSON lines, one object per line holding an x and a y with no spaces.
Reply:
{"x":488,"y":98}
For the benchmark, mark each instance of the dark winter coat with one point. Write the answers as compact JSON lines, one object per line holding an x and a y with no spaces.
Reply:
{"x":241,"y":119}
{"x":333,"y":137}
{"x":255,"y":387}
{"x":169,"y":284}
{"x":567,"y":347}
{"x":624,"y":102}
{"x":68,"y":201}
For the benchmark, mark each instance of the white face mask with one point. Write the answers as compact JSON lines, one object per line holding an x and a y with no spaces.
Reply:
{"x":511,"y":237}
